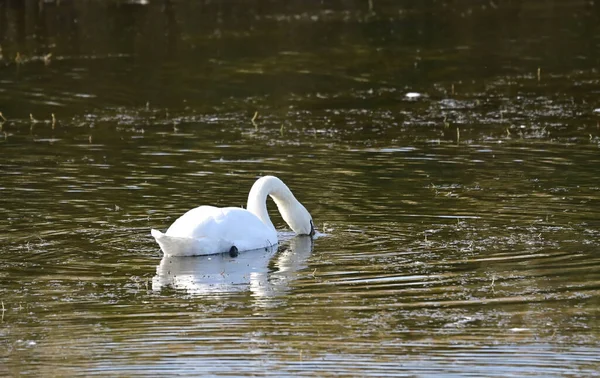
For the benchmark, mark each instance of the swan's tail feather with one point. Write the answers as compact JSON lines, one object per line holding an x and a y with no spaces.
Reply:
{"x":184,"y":246}
{"x":157,"y":234}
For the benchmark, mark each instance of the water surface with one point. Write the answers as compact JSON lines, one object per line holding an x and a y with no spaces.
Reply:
{"x":458,"y":229}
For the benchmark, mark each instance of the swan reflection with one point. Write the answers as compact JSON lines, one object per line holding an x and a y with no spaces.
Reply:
{"x":263,"y":271}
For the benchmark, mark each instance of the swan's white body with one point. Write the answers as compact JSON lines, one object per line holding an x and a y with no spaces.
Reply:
{"x":208,"y":230}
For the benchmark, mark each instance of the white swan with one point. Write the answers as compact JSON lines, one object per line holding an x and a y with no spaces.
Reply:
{"x":208,"y":230}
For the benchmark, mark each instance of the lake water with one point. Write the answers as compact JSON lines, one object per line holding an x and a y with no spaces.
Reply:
{"x":448,"y":154}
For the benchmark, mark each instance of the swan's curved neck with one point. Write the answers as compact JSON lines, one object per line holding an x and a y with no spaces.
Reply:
{"x":274,"y":187}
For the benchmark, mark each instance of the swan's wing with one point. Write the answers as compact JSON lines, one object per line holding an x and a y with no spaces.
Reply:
{"x":195,"y":223}
{"x":217,"y":222}
{"x":244,"y":229}
{"x":225,"y":227}
{"x":185,"y":246}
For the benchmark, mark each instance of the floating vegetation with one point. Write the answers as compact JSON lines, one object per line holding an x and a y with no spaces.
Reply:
{"x":47,"y":59}
{"x":253,"y":120}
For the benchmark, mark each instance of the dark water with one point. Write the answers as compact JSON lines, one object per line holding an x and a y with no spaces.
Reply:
{"x":458,"y":230}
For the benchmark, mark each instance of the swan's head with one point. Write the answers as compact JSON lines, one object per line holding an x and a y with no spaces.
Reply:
{"x":298,"y":218}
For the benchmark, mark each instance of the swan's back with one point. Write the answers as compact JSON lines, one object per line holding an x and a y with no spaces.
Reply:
{"x":231,"y":223}
{"x":210,"y":230}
